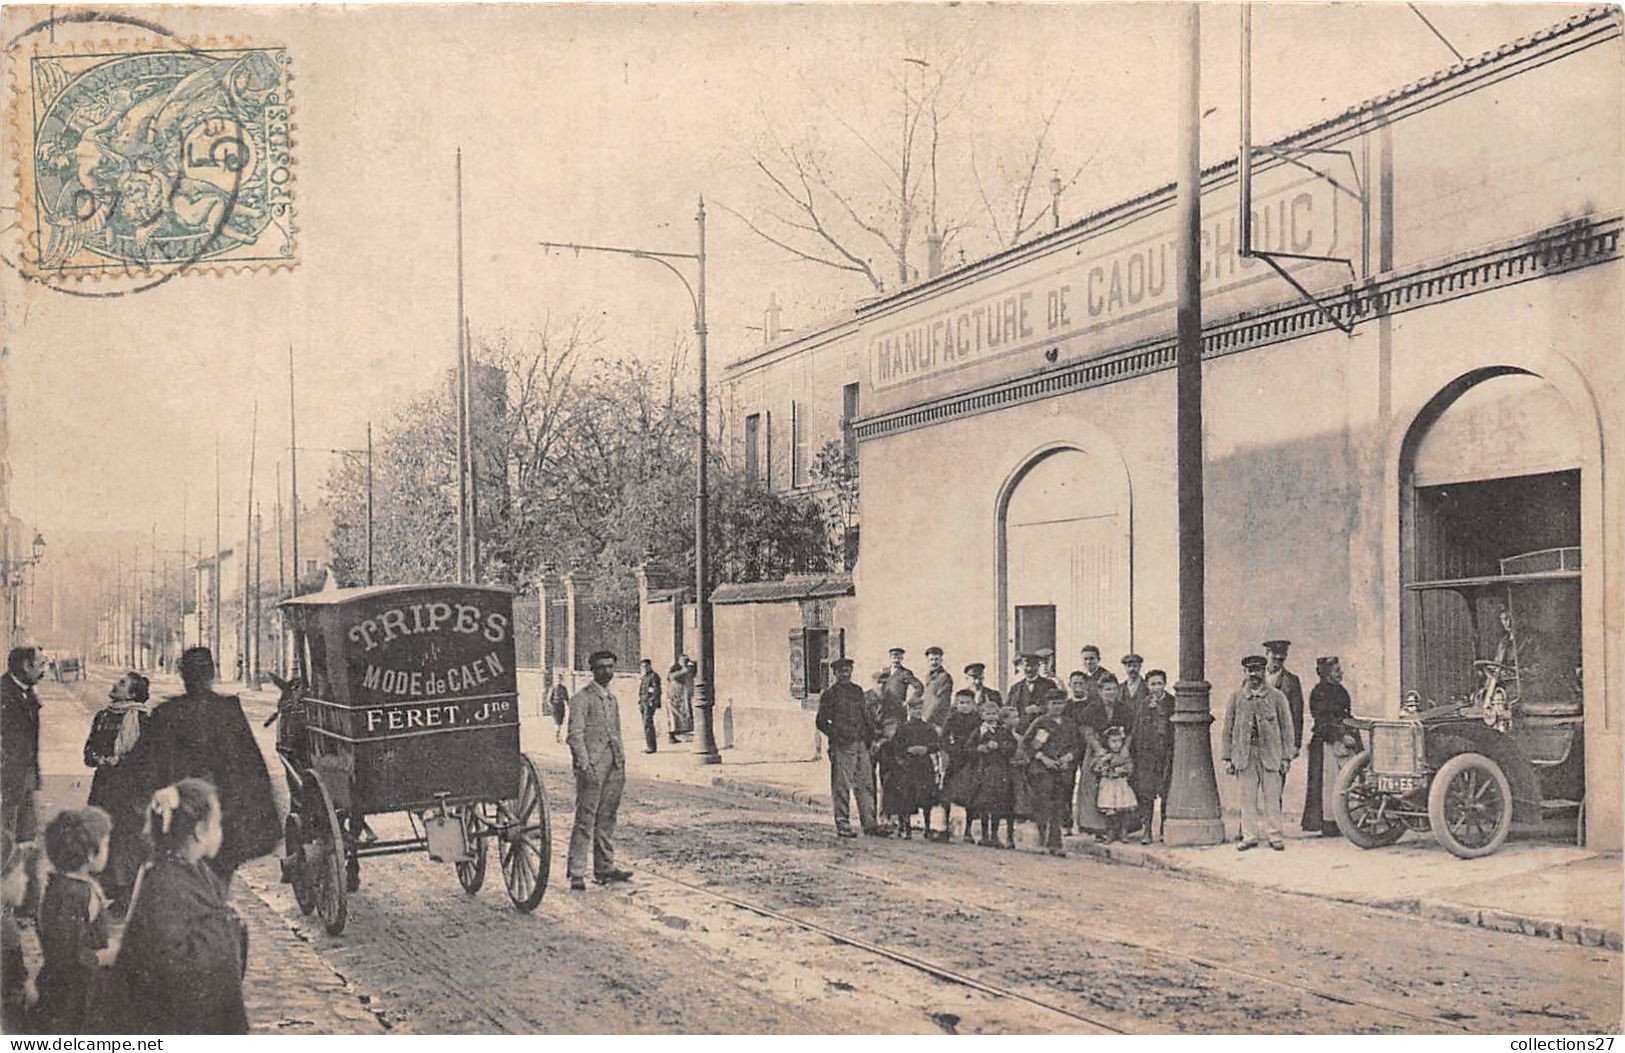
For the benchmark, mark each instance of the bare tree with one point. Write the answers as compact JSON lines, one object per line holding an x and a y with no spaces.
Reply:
{"x":1020,"y":210}
{"x":828,"y":213}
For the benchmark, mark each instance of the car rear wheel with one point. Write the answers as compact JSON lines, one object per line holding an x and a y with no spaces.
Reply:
{"x":1470,"y":805}
{"x":1360,"y":809}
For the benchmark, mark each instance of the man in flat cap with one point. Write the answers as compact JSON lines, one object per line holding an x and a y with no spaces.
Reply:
{"x":599,"y":761}
{"x":939,"y":689}
{"x":846,"y":719}
{"x":1284,"y":680}
{"x":898,"y":679}
{"x":1258,"y":749}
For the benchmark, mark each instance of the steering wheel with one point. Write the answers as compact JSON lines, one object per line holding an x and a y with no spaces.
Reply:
{"x":1490,"y":667}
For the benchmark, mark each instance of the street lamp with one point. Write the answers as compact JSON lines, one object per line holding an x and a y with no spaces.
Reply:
{"x":705,"y":746}
{"x":14,"y":572}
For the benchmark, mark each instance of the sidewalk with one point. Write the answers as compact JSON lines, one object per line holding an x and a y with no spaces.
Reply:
{"x":288,"y":989}
{"x":1538,"y":888}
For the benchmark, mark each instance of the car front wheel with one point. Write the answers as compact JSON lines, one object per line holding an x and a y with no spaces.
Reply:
{"x":1470,"y":805}
{"x":1361,"y":811}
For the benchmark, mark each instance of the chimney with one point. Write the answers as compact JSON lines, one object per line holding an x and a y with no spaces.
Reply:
{"x":770,"y":320}
{"x":1055,"y":200}
{"x":933,"y":254}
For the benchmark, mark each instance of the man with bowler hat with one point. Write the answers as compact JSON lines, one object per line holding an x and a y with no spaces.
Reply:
{"x":846,"y":719}
{"x":1284,"y":680}
{"x":1258,"y":749}
{"x":599,"y":760}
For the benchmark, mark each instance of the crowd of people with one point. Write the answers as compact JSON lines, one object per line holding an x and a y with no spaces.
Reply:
{"x":1094,"y":757}
{"x":134,"y":925}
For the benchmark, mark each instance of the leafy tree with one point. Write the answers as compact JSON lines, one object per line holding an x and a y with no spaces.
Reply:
{"x":835,"y":475}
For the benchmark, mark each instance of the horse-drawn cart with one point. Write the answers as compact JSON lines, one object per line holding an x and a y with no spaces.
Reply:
{"x":404,"y":699}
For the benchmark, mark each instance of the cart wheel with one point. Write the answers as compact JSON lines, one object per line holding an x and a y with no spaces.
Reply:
{"x":471,"y":875}
{"x":527,"y":839}
{"x":1357,"y":805}
{"x":1470,"y":805}
{"x":293,"y":843}
{"x":325,"y":859}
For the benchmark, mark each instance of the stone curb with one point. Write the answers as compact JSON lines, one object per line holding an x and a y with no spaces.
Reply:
{"x":1433,"y":910}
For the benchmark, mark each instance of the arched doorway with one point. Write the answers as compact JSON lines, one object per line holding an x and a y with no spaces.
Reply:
{"x":1064,"y":559}
{"x":1490,"y":478}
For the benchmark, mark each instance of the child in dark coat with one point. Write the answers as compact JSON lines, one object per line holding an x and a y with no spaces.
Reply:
{"x":959,"y":781}
{"x":913,"y":785}
{"x":993,"y":788}
{"x":181,"y":967}
{"x":73,"y":929}
{"x":122,"y":783}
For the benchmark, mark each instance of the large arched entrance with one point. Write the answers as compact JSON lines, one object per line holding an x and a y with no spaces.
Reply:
{"x":1492,"y":554}
{"x":1064,"y":558}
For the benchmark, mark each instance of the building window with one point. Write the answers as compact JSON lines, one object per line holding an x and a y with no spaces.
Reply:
{"x":849,"y":415}
{"x":310,"y":567}
{"x":798,"y":444}
{"x":753,"y":448}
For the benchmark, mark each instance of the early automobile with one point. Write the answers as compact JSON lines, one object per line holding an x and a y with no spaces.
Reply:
{"x":1507,"y":743}
{"x":404,"y":699}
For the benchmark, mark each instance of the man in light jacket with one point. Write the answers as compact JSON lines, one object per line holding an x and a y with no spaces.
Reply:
{"x":599,"y":760}
{"x":1258,"y":749}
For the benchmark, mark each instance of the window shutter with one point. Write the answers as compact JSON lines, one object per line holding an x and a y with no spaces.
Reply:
{"x":798,"y":663}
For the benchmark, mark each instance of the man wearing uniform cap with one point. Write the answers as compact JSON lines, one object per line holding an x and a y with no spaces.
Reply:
{"x":898,"y":679}
{"x":939,"y":689}
{"x":1284,"y":680}
{"x":599,"y":760}
{"x":846,"y":719}
{"x":1258,"y":749}
{"x":981,"y":692}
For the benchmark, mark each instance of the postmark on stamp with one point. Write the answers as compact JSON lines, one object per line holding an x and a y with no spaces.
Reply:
{"x":149,"y":161}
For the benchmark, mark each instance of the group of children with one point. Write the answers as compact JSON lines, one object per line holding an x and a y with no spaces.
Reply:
{"x":998,"y":764}
{"x":176,"y":967}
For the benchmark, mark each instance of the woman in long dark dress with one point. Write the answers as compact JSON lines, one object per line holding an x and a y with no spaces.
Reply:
{"x":123,"y":781}
{"x":1330,"y":706}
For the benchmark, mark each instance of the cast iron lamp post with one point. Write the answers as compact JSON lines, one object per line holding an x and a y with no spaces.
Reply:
{"x":705,"y":744}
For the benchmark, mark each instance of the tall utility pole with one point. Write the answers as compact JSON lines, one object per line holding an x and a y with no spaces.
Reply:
{"x":462,"y":393}
{"x":293,"y":470}
{"x":1193,"y":799}
{"x":369,"y":503}
{"x":214,"y":579}
{"x":259,"y":546}
{"x":180,"y":592}
{"x":281,"y":572}
{"x":705,"y":741}
{"x":705,"y":678}
{"x":470,"y":391}
{"x":247,"y":657}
